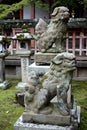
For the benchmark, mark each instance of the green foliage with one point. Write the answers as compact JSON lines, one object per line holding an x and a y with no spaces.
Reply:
{"x":6,"y":9}
{"x":85,"y":3}
{"x":41,"y":80}
{"x":6,"y":40}
{"x":68,"y":3}
{"x":3,"y":7}
{"x":75,"y":6}
{"x":43,"y":77}
{"x":42,"y":5}
{"x":9,"y":110}
{"x":9,"y":7}
{"x":80,"y":93}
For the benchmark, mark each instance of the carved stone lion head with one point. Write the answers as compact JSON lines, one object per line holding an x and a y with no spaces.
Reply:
{"x":67,"y":60}
{"x":61,"y":13}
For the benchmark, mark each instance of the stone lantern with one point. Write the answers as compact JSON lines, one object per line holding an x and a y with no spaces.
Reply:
{"x":3,"y":53}
{"x":23,"y":49}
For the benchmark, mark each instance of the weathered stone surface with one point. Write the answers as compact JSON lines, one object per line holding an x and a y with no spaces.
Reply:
{"x":19,"y":125}
{"x":4,"y":85}
{"x":21,"y":85}
{"x":23,"y":52}
{"x":2,"y":69}
{"x":57,"y":82}
{"x":53,"y":119}
{"x":25,"y":61}
{"x":44,"y":58}
{"x":39,"y":69}
{"x":33,"y":78}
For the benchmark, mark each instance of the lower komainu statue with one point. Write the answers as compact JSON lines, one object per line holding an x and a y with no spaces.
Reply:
{"x":50,"y":97}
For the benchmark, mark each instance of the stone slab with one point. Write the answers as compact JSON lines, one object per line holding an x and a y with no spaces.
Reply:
{"x":78,"y":113}
{"x":19,"y":125}
{"x":4,"y":85}
{"x":44,"y":58}
{"x":53,"y":119}
{"x":39,"y":69}
{"x":4,"y":54}
{"x":23,"y":53}
{"x":21,"y":85}
{"x":19,"y":96}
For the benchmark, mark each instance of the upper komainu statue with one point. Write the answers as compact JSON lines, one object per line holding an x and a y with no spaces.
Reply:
{"x":50,"y":38}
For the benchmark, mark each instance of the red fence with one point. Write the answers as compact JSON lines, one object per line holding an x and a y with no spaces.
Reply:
{"x":76,"y":42}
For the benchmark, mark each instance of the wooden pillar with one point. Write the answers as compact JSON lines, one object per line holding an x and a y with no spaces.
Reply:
{"x":50,"y":4}
{"x":33,"y":11}
{"x":73,"y":42}
{"x":21,"y":13}
{"x":33,"y":29}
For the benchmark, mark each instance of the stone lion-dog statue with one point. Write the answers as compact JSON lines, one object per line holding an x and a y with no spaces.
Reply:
{"x":50,"y":37}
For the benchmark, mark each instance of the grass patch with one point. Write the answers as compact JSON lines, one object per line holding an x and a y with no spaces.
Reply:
{"x":10,"y":112}
{"x":80,"y":93}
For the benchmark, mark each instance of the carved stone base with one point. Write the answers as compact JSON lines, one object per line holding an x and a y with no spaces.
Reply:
{"x":19,"y":125}
{"x":44,"y":58}
{"x":46,"y":119}
{"x":54,"y":118}
{"x":32,"y":121}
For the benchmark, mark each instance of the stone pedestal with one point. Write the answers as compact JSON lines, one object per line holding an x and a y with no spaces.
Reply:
{"x":39,"y":69}
{"x":55,"y":118}
{"x":2,"y":69}
{"x":25,"y":61}
{"x":52,"y":119}
{"x":4,"y":84}
{"x":59,"y":122}
{"x":44,"y":58}
{"x":41,"y":63}
{"x":19,"y":125}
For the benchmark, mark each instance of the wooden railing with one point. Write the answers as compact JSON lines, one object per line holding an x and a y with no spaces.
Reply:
{"x":76,"y":42}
